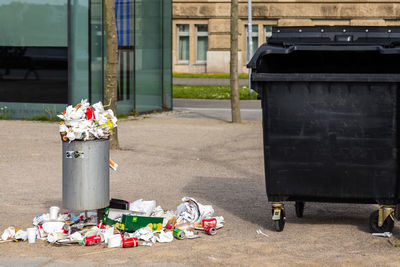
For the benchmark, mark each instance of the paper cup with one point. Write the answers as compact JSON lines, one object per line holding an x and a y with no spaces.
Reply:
{"x":54,"y":212}
{"x":31,"y":235}
{"x":114,"y":241}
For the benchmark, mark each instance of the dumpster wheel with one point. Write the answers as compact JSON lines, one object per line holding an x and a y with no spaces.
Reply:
{"x":387,"y":225}
{"x":278,"y":216}
{"x":299,"y":206}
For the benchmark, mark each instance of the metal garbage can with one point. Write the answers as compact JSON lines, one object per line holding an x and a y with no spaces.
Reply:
{"x":330,"y":99}
{"x":86,"y":182}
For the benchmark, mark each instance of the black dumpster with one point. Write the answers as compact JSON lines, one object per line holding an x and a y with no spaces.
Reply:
{"x":330,"y":99}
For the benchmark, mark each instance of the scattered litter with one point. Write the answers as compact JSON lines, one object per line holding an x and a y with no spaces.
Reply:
{"x":21,"y":235}
{"x":86,"y":122}
{"x":142,"y":207}
{"x":165,"y":237}
{"x":114,"y":241}
{"x":261,"y":233}
{"x":113,"y":165}
{"x":191,"y":234}
{"x":9,"y":233}
{"x":124,"y":224}
{"x":31,"y":235}
{"x":191,"y":211}
{"x":385,"y":234}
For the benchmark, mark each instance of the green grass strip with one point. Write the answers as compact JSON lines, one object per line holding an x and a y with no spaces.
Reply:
{"x":207,"y":75}
{"x":210,"y":92}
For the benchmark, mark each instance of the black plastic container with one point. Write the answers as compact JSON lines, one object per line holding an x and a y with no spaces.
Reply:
{"x":330,"y":99}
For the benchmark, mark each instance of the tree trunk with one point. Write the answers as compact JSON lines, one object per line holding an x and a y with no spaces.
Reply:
{"x":235,"y":106}
{"x":110,"y":92}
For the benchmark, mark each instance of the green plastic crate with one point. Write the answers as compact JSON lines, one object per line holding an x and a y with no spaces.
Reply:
{"x":109,"y":214}
{"x":131,"y":223}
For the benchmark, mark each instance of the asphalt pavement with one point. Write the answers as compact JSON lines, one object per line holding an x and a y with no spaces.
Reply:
{"x":250,"y":110}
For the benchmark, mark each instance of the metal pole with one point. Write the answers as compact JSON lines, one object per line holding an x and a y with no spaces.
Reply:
{"x":249,"y":39}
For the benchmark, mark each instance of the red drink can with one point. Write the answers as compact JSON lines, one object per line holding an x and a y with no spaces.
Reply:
{"x":210,"y":230}
{"x":209,"y":223}
{"x":130,"y":242}
{"x":66,"y":229}
{"x":101,"y":225}
{"x":91,"y":240}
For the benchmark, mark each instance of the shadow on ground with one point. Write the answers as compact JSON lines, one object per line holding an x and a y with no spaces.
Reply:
{"x":247,"y":199}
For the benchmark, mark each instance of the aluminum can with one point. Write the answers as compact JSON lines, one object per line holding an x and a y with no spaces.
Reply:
{"x":130,"y":242}
{"x":209,"y":223}
{"x":210,"y":230}
{"x":66,"y":229}
{"x":179,"y":234}
{"x":101,"y":225}
{"x":91,"y":240}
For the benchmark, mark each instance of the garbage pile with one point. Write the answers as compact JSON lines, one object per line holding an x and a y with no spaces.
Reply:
{"x":86,"y":122}
{"x":123,"y":224}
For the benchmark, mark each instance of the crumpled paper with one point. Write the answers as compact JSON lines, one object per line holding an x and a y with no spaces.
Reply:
{"x":86,"y":122}
{"x":164,"y":237}
{"x":41,"y":218}
{"x":191,"y":211}
{"x":53,"y":227}
{"x":9,"y":233}
{"x":142,"y":206}
{"x":55,"y":236}
{"x":167,"y":215}
{"x":145,"y":233}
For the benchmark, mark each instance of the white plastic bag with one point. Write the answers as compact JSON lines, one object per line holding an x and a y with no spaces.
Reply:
{"x":143,"y":207}
{"x":191,"y":211}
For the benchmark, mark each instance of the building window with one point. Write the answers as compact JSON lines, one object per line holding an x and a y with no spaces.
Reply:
{"x":202,"y":43}
{"x":254,"y":37}
{"x":267,"y":32}
{"x":183,"y":43}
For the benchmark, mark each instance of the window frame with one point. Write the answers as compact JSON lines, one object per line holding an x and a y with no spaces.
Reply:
{"x":201,"y":34}
{"x":179,"y":35}
{"x":267,"y":33}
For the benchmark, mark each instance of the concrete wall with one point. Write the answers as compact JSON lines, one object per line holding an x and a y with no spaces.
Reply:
{"x":216,"y":13}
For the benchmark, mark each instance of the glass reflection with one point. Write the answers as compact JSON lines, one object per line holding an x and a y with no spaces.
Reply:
{"x":34,"y":74}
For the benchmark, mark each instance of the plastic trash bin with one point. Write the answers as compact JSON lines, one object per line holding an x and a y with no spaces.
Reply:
{"x":86,"y":182}
{"x":330,"y":101}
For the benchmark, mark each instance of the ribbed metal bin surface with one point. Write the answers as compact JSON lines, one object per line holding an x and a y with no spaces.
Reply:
{"x":86,"y":182}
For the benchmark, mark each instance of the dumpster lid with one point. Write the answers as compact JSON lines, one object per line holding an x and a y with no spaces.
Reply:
{"x":285,"y":40}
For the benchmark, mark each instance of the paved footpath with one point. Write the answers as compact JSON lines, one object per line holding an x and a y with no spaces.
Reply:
{"x":250,"y":110}
{"x":165,"y":157}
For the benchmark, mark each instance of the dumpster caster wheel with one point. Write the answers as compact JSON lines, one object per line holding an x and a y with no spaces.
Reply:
{"x":387,"y":225}
{"x":299,"y":209}
{"x":280,"y":224}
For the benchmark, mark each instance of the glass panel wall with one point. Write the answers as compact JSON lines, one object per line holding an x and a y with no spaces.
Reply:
{"x":52,"y":51}
{"x":167,"y":54}
{"x":124,"y":16}
{"x":79,"y":51}
{"x":96,"y":51}
{"x":33,"y":51}
{"x":148,"y":55}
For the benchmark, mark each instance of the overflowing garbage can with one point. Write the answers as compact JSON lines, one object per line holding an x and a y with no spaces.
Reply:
{"x":330,"y":100}
{"x":85,"y":132}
